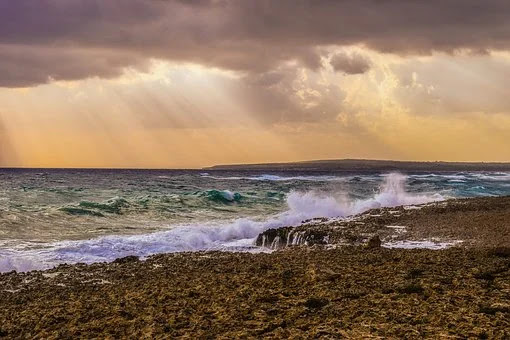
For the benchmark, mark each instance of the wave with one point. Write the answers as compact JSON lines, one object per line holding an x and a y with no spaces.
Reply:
{"x":120,"y":206}
{"x":297,"y":178}
{"x":467,"y":176}
{"x":223,"y":196}
{"x":112,"y":206}
{"x":81,"y":212}
{"x":277,"y":178}
{"x":236,"y":235}
{"x":493,"y":176}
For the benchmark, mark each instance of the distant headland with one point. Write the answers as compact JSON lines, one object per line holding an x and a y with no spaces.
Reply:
{"x":367,"y":165}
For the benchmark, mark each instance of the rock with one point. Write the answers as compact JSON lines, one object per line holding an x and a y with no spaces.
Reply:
{"x":127,"y":259}
{"x":316,"y":303}
{"x":273,"y":238}
{"x":500,"y":252}
{"x":494,"y":308}
{"x":284,"y":294}
{"x":374,"y":242}
{"x":282,"y":237}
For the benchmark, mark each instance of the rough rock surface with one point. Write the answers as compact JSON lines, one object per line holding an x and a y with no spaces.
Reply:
{"x":308,"y":292}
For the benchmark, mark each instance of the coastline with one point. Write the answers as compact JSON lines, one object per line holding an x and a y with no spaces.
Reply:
{"x":469,"y":222}
{"x":336,"y":288}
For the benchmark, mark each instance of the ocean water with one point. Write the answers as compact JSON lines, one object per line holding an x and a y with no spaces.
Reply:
{"x":56,"y":216}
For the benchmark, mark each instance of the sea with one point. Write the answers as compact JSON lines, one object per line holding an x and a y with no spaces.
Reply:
{"x":54,"y":216}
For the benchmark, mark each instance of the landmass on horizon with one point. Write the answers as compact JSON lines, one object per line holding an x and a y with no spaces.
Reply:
{"x":367,"y":165}
{"x":334,"y":165}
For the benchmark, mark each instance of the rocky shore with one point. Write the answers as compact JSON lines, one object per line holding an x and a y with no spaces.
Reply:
{"x":323,"y":281}
{"x":475,"y":222}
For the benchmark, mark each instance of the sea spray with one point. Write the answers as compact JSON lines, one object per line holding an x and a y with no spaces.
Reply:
{"x":236,"y":235}
{"x":393,"y":194}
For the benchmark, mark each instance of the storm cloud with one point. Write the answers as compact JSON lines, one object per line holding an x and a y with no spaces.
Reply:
{"x":49,"y":40}
{"x":350,"y":63}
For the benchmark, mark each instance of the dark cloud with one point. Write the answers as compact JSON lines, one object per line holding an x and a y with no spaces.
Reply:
{"x":72,"y":39}
{"x":28,"y":66}
{"x":353,"y":63}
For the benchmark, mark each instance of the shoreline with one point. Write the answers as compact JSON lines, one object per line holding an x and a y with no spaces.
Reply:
{"x":331,"y":289}
{"x":467,"y":222}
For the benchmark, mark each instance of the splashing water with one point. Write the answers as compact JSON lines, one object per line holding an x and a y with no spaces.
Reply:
{"x":237,"y":235}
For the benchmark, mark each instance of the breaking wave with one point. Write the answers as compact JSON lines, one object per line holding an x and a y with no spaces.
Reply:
{"x":112,"y":206}
{"x":223,"y":196}
{"x":236,"y":235}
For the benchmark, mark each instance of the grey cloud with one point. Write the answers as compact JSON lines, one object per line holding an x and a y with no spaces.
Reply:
{"x":29,"y":66}
{"x":353,"y":63}
{"x":98,"y":38}
{"x":311,"y":59}
{"x":266,"y":79}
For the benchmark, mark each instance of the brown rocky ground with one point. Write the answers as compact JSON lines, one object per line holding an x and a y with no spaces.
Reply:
{"x":298,"y":292}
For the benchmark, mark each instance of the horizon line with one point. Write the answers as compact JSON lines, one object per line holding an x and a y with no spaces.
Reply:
{"x":211,"y":167}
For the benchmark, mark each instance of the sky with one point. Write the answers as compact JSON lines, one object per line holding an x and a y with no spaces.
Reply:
{"x":188,"y":84}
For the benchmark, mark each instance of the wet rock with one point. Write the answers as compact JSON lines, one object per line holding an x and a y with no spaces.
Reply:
{"x":500,"y":252}
{"x":273,"y":238}
{"x":374,"y":242}
{"x":127,"y":259}
{"x":494,"y":308}
{"x":290,"y":236}
{"x":316,"y":303}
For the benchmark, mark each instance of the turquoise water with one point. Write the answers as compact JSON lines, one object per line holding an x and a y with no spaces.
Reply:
{"x":54,"y":216}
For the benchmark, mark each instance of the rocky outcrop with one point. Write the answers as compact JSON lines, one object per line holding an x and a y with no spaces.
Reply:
{"x":452,"y":220}
{"x":289,"y":236}
{"x":354,"y":231}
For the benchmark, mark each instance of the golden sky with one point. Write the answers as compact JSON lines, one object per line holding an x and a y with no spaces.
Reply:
{"x":202,"y":95}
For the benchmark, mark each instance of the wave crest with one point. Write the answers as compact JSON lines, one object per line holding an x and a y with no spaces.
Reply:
{"x":112,"y":206}
{"x":223,"y":196}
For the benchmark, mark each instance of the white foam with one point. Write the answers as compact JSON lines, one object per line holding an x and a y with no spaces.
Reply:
{"x":235,"y":235}
{"x":228,"y":195}
{"x":396,"y":227}
{"x":399,"y":229}
{"x":493,"y":176}
{"x":412,"y":207}
{"x":424,"y":244}
{"x":276,"y":178}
